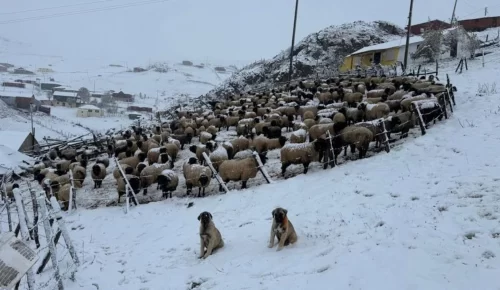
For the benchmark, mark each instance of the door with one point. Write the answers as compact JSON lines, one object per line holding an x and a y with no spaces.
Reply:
{"x":376,"y":57}
{"x":88,"y":113}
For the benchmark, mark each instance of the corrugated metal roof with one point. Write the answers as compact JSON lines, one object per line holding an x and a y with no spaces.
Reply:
{"x":387,"y":45}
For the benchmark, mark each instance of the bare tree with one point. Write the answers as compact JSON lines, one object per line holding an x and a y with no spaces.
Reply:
{"x":50,"y":95}
{"x":430,"y":49}
{"x":84,"y":94}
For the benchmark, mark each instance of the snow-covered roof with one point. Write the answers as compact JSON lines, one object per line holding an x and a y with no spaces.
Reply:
{"x":390,"y":44}
{"x":13,"y":93}
{"x":12,"y":160}
{"x":13,"y":139}
{"x":65,"y":94}
{"x":89,"y":107}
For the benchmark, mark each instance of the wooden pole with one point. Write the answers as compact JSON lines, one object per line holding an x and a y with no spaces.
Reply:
{"x":7,"y":202}
{"x":62,"y":226}
{"x":50,"y":242}
{"x":24,"y":232}
{"x":34,"y":229}
{"x":262,"y":169}
{"x":216,"y":174}
{"x":420,"y":119}
{"x":453,"y":14}
{"x":290,"y":72}
{"x":407,"y":46}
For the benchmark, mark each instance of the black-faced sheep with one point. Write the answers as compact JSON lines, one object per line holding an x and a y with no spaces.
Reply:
{"x":263,"y":144}
{"x":98,"y":174}
{"x":298,"y":136}
{"x":355,"y":137}
{"x":218,"y":156}
{"x":374,"y":111}
{"x":149,"y":175}
{"x":304,"y":154}
{"x":199,"y":149}
{"x":196,"y":176}
{"x":154,"y":154}
{"x":135,"y":183}
{"x":103,"y":160}
{"x":168,"y":182}
{"x":240,"y":169}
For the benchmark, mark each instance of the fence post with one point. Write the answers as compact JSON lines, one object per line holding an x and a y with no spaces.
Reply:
{"x":420,"y":119}
{"x":62,"y":226}
{"x":72,"y":203}
{"x":127,"y":183}
{"x":6,"y":201}
{"x":216,"y":174}
{"x":34,"y":229}
{"x":482,"y":51}
{"x":24,"y":232}
{"x":386,"y":138}
{"x":466,"y":66}
{"x":50,"y":242}
{"x":437,"y":67}
{"x":262,"y":169}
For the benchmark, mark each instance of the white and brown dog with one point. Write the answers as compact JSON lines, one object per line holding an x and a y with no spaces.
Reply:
{"x":282,"y":229}
{"x":210,"y":237}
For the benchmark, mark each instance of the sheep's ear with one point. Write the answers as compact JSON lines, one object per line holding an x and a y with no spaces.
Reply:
{"x":199,"y":217}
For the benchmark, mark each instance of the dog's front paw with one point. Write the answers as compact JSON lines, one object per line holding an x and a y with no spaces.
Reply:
{"x":270,"y":245}
{"x":279,"y":249}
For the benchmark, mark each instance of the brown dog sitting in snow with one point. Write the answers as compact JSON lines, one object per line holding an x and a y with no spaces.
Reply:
{"x":210,"y":237}
{"x":282,"y":228}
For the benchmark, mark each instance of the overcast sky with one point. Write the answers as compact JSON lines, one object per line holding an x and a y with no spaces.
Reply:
{"x":217,"y":30}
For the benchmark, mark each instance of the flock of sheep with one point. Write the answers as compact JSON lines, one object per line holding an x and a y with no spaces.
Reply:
{"x":309,"y":121}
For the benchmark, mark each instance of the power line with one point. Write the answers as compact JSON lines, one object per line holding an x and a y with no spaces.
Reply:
{"x":55,"y":7}
{"x":132,"y":4}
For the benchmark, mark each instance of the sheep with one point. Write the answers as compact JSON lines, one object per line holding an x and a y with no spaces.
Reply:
{"x":231,"y":121}
{"x":189,"y":133}
{"x":374,"y":111}
{"x":302,"y":153}
{"x":199,"y":149}
{"x":181,"y":139}
{"x":149,"y":175}
{"x":377,"y":129}
{"x":298,"y":136}
{"x":98,"y":173}
{"x":218,"y":156}
{"x":240,"y":170}
{"x":394,"y":105}
{"x":134,"y":181}
{"x":205,"y":137}
{"x":406,"y":123}
{"x":154,"y":154}
{"x":79,"y":174}
{"x":125,"y":167}
{"x":9,"y":189}
{"x":263,"y":144}
{"x":318,"y":130}
{"x":430,"y":110}
{"x":168,"y":182}
{"x":309,"y":115}
{"x":309,"y":123}
{"x":175,"y":142}
{"x":212,"y":130}
{"x":68,"y":153}
{"x":355,"y":137}
{"x":299,"y":125}
{"x":62,"y":194}
{"x":196,"y":176}
{"x":352,"y":115}
{"x":379,"y":93}
{"x":406,"y":103}
{"x":62,"y":166}
{"x":259,"y":127}
{"x":240,"y":144}
{"x":172,"y":152}
{"x":133,"y":161}
{"x":398,"y":95}
{"x":273,"y":131}
{"x":353,"y":98}
{"x":243,"y":154}
{"x":103,"y":160}
{"x":242,"y":129}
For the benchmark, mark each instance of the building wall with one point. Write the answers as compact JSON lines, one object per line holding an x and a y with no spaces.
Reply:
{"x":434,"y":24}
{"x":480,"y":24}
{"x":84,"y":113}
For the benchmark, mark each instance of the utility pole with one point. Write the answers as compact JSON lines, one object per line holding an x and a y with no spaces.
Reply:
{"x":407,"y":46}
{"x":293,"y":41}
{"x":453,"y":14}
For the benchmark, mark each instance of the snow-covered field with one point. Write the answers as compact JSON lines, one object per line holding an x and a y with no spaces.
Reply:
{"x":424,"y":216}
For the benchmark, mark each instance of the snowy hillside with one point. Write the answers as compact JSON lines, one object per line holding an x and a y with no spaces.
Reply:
{"x":319,"y":53}
{"x":424,"y":216}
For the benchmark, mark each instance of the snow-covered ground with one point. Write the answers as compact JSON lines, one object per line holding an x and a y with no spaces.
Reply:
{"x":424,"y":216}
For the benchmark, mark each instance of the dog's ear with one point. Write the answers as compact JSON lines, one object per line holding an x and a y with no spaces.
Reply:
{"x":210,"y":216}
{"x":274,"y":213}
{"x":199,"y":217}
{"x":285,"y":211}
